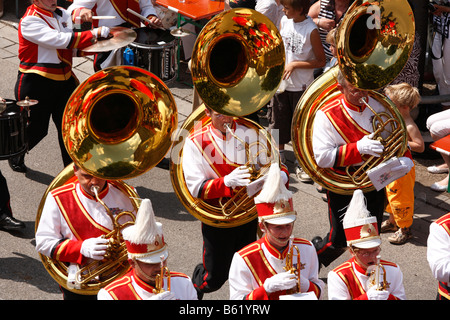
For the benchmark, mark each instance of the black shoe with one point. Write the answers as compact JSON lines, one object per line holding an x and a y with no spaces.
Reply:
{"x":11,"y":224}
{"x":18,"y":163}
{"x":164,"y":164}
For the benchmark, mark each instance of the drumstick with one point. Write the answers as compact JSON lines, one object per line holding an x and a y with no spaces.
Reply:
{"x":144,"y":18}
{"x":103,"y":17}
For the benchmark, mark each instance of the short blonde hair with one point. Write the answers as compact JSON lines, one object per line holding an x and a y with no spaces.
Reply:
{"x":330,"y":39}
{"x":403,"y":94}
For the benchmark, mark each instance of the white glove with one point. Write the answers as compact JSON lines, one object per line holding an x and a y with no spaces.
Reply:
{"x":369,"y":146}
{"x":94,"y":248}
{"x":239,"y":177}
{"x":166,"y":295}
{"x":406,"y":165}
{"x":374,"y":294}
{"x":280,"y":281}
{"x":100,"y":32}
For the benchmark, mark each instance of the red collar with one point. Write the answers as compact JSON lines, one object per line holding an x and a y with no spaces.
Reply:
{"x":144,"y":285}
{"x":273,"y":251}
{"x":224,"y":136}
{"x":352,"y":106}
{"x":101,"y":194}
{"x":358,"y":267}
{"x":42,"y":11}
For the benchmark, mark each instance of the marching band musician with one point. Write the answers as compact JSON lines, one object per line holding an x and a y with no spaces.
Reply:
{"x":47,"y":44}
{"x":352,"y":279}
{"x":147,"y":253}
{"x":342,"y":137}
{"x":257,"y":271}
{"x":7,"y":221}
{"x":213,"y":163}
{"x":438,"y":254}
{"x":85,"y":9}
{"x":73,"y":221}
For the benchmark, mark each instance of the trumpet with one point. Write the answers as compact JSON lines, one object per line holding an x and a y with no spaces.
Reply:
{"x":377,"y":276}
{"x":290,"y":267}
{"x":159,"y":279}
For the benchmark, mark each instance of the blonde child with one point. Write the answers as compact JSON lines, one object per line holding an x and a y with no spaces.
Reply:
{"x":331,"y":40}
{"x":400,"y":193}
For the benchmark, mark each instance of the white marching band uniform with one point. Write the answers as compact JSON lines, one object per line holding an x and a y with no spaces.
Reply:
{"x":145,"y":244}
{"x":340,"y":289}
{"x":349,"y":281}
{"x":201,"y":165}
{"x":59,"y":232}
{"x":260,"y":262}
{"x":328,"y":139}
{"x":438,"y":253}
{"x":246,"y":283}
{"x":180,"y":285}
{"x":118,"y":9}
{"x":109,"y":8}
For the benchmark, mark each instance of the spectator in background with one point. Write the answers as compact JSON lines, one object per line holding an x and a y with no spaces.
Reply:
{"x":400,"y":193}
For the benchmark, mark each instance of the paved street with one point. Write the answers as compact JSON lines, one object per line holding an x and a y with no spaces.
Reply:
{"x":23,"y":277}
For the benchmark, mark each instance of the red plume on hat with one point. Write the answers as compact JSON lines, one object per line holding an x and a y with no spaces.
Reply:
{"x":274,"y":202}
{"x":145,"y":239}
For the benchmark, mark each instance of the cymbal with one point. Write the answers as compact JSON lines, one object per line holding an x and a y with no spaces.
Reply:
{"x":27,"y":102}
{"x":120,"y":38}
{"x":179,"y":32}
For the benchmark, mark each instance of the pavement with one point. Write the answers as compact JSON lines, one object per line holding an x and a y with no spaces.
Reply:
{"x":23,"y":277}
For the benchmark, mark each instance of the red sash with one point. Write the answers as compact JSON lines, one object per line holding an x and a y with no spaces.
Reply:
{"x":212,"y":153}
{"x":347,"y":274}
{"x":354,"y":286}
{"x":78,"y":219}
{"x":347,"y":128}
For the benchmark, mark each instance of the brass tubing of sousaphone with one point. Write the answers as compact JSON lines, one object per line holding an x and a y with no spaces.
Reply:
{"x":237,"y":62}
{"x":117,"y":125}
{"x":213,"y":215}
{"x":369,"y":58}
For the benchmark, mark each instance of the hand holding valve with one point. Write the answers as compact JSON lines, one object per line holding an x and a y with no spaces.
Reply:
{"x":367,"y":145}
{"x":94,"y":248}
{"x":239,"y":177}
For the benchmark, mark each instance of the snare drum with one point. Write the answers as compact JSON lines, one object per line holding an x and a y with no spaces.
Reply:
{"x":155,"y":51}
{"x":13,"y":131}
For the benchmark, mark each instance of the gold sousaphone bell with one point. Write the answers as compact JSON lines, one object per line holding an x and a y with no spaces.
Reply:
{"x":237,"y":65}
{"x":117,"y":125}
{"x":373,"y":41}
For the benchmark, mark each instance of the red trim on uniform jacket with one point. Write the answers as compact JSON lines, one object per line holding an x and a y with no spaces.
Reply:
{"x":346,"y":272}
{"x":254,"y":257}
{"x":216,"y":188}
{"x":348,"y":129}
{"x":79,"y":221}
{"x":122,"y":288}
{"x":29,"y":51}
{"x":213,"y":188}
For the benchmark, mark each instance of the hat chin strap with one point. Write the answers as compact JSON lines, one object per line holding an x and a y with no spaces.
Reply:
{"x":147,"y":278}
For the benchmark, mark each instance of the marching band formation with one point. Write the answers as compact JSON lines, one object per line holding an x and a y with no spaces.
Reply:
{"x":100,"y":241}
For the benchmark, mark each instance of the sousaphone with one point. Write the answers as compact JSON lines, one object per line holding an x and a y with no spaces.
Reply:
{"x":237,"y":65}
{"x":373,"y":42}
{"x":117,"y":125}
